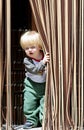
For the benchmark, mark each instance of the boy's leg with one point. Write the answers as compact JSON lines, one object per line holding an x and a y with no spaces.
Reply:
{"x":30,"y":103}
{"x":41,"y":111}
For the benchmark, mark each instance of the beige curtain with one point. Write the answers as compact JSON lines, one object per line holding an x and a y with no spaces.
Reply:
{"x":1,"y":57}
{"x":61,"y":24}
{"x":8,"y":63}
{"x":5,"y":53}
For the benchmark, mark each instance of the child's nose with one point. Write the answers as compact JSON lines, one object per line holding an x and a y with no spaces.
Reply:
{"x":30,"y":49}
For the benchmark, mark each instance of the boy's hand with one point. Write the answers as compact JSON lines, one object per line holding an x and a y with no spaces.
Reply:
{"x":46,"y":58}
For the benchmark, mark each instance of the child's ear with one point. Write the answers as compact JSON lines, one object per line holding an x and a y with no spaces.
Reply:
{"x":40,"y":48}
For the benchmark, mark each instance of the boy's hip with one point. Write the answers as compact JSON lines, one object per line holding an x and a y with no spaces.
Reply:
{"x":32,"y":86}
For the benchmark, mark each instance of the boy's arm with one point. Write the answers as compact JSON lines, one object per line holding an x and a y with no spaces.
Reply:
{"x":32,"y":68}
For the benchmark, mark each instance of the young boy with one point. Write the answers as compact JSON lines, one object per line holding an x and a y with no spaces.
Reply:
{"x":35,"y":79}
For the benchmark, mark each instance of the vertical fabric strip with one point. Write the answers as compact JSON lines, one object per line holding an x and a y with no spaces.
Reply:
{"x":8,"y":71}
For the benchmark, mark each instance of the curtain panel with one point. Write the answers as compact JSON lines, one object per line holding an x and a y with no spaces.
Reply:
{"x":5,"y":55}
{"x":61,"y":24}
{"x":1,"y":57}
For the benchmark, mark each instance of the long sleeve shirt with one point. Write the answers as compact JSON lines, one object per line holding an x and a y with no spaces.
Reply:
{"x":35,"y":70}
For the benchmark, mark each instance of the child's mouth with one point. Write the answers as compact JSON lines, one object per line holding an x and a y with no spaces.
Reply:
{"x":30,"y":53}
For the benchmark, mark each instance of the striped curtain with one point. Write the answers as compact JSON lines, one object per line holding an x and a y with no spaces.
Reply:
{"x":61,"y":25}
{"x":5,"y":55}
{"x":8,"y":63}
{"x":1,"y":57}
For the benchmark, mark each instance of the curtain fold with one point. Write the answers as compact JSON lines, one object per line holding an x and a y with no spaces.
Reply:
{"x":61,"y":23}
{"x":8,"y":63}
{"x":1,"y":61}
{"x":5,"y":61}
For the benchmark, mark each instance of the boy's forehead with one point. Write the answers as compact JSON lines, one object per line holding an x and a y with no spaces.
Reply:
{"x":31,"y":45}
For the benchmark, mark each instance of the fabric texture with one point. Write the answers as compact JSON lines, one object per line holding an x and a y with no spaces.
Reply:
{"x":59,"y":22}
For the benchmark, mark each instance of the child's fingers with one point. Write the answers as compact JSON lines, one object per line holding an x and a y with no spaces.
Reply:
{"x":47,"y":53}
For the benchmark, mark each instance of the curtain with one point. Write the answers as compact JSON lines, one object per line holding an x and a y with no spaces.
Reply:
{"x":8,"y":63}
{"x":61,"y":24}
{"x":1,"y":57}
{"x":5,"y":60}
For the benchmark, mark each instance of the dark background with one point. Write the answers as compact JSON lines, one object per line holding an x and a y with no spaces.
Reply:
{"x":20,"y":14}
{"x":21,"y":20}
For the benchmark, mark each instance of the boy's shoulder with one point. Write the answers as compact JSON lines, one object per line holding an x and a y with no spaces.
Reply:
{"x":27,"y":59}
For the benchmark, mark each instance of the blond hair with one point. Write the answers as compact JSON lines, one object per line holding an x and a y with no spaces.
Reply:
{"x":31,"y":38}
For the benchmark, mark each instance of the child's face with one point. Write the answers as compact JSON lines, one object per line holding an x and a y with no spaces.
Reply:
{"x":33,"y":51}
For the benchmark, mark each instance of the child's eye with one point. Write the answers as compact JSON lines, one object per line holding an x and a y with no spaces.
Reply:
{"x":32,"y":47}
{"x":27,"y":48}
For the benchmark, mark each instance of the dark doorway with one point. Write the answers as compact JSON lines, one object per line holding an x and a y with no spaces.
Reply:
{"x":20,"y":21}
{"x":20,"y":14}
